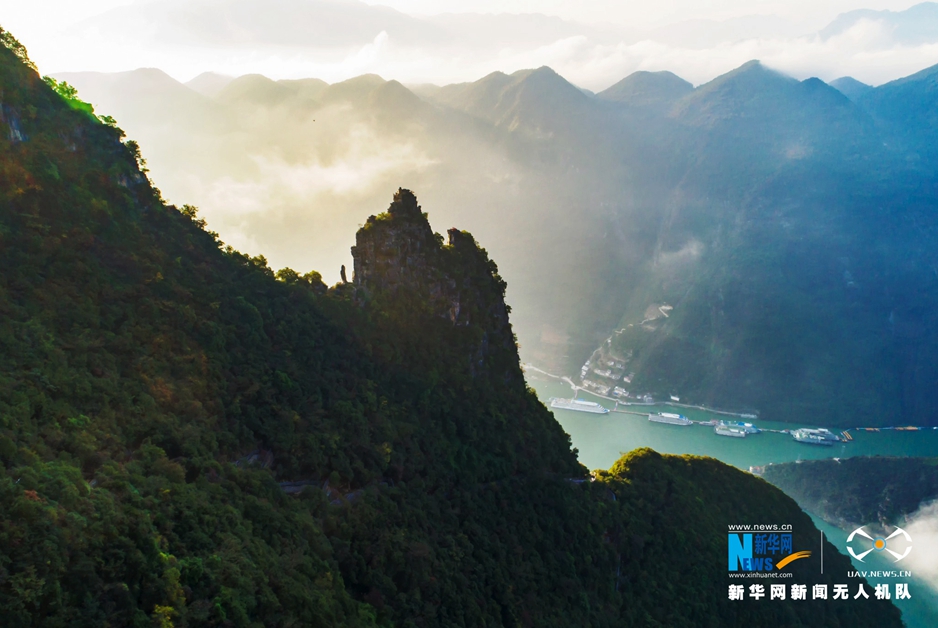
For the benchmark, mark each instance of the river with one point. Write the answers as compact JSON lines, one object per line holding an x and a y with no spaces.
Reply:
{"x":602,"y":439}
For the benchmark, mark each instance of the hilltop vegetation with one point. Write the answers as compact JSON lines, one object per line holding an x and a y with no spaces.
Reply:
{"x":189,"y":438}
{"x":859,"y":491}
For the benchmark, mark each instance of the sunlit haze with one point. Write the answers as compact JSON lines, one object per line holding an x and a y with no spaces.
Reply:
{"x":592,"y":44}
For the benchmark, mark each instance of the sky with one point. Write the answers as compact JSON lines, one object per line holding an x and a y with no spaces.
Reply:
{"x":645,"y":13}
{"x":34,"y":13}
{"x":592,"y":43}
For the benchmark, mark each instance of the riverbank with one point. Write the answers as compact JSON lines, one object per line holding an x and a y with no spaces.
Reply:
{"x":750,"y":415}
{"x":578,"y":389}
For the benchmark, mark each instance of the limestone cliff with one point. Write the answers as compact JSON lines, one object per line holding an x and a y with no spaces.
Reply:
{"x":401,"y":263}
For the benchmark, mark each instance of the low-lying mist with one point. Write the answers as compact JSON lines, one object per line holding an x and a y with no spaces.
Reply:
{"x":781,"y":220}
{"x":922,"y":526}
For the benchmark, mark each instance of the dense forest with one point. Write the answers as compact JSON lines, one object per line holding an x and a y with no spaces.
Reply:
{"x":859,"y":491}
{"x":189,"y":438}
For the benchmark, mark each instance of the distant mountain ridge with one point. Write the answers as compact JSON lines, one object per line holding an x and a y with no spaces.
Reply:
{"x":647,"y":89}
{"x":773,"y":214}
{"x":850,"y":87}
{"x":908,"y":105}
{"x":503,"y":99}
{"x":209,"y":83}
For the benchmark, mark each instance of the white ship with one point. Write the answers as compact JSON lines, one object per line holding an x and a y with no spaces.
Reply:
{"x":669,"y":418}
{"x":749,"y":428}
{"x":577,"y":404}
{"x":722,"y":429}
{"x":819,"y":436}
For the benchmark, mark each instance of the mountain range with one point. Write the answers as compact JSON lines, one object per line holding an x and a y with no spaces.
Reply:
{"x":789,"y":224}
{"x":188,"y":437}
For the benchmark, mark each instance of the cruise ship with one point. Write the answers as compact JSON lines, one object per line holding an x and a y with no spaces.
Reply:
{"x":669,"y":418}
{"x":749,"y":428}
{"x":577,"y":404}
{"x":819,"y":436}
{"x":724,"y":429}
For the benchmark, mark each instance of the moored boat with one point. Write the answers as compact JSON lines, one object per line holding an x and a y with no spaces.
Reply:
{"x":749,"y":428}
{"x":579,"y":405}
{"x":670,"y":418}
{"x":819,"y":436}
{"x":722,"y":429}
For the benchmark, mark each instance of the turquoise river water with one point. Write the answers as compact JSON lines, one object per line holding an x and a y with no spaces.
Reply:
{"x":603,"y":438}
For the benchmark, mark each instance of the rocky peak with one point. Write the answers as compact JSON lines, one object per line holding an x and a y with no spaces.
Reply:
{"x":405,"y":205}
{"x":402,"y":266}
{"x":396,"y":248}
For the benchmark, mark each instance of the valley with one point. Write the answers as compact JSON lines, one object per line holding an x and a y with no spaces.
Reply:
{"x":161,"y":390}
{"x":436,"y":315}
{"x":800,"y":275}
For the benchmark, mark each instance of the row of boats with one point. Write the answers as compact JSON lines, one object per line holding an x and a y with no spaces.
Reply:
{"x":732,"y":429}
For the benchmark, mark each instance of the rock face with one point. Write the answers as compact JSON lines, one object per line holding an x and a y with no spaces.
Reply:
{"x":9,"y":116}
{"x":401,"y":263}
{"x":397,"y":249}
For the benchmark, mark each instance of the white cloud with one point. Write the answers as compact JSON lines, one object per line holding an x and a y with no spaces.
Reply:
{"x":369,"y":54}
{"x":866,"y":50}
{"x":252,"y":210}
{"x":591,"y":59}
{"x":688,"y":253}
{"x":923,"y":559}
{"x":368,"y":160}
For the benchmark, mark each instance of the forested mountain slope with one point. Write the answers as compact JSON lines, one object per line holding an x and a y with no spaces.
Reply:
{"x":795,"y":253}
{"x":790,"y":228}
{"x":859,"y":491}
{"x":188,"y":438}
